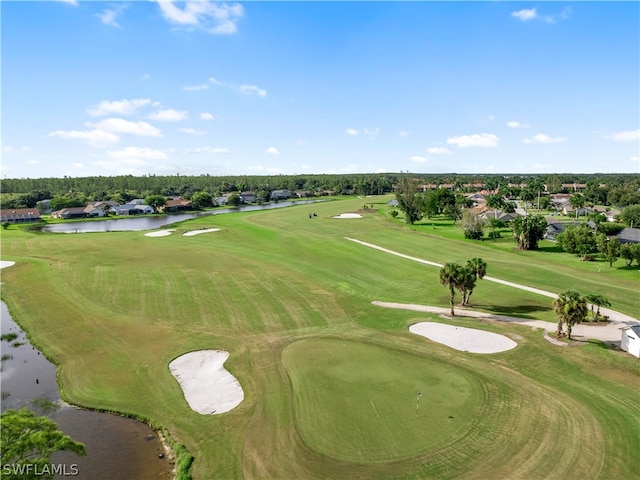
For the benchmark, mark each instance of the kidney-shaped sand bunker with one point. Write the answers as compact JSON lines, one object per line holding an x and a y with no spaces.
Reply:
{"x":208,"y":387}
{"x":463,"y":339}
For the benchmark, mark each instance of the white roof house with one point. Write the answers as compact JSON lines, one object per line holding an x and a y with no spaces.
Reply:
{"x":630,"y":341}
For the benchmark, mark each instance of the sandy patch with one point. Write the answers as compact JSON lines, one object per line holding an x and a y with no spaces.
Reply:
{"x":159,"y":233}
{"x":463,"y":339}
{"x":6,"y":263}
{"x":348,"y":215}
{"x":207,"y":386}
{"x":198,"y":232}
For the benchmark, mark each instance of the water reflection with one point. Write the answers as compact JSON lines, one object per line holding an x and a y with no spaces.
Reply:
{"x":151,"y":222}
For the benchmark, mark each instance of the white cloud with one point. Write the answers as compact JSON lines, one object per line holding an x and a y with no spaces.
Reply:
{"x":214,"y":81}
{"x":195,"y":88}
{"x":404,"y":133}
{"x":514,"y":124}
{"x":252,"y":89}
{"x":525,"y":14}
{"x":273,"y":151}
{"x":121,"y":107}
{"x":108,"y":16}
{"x":146,"y":76}
{"x":119,"y":125}
{"x":77,"y":165}
{"x":438,"y":150}
{"x":70,"y":2}
{"x":260,"y":168}
{"x":418,"y":159}
{"x":216,"y":18}
{"x":137,"y":153}
{"x":371,"y":133}
{"x":206,"y":116}
{"x":96,"y":137}
{"x":626,"y":136}
{"x":542,"y":138}
{"x":191,"y":131}
{"x":209,"y":150}
{"x":169,"y":115}
{"x":351,"y":131}
{"x":13,"y":149}
{"x":484,"y":140}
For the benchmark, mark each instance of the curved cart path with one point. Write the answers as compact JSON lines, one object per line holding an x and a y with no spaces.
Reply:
{"x":608,"y":333}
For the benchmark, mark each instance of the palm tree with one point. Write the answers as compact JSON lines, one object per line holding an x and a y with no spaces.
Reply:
{"x":599,"y":301}
{"x":476,"y":269}
{"x":571,"y":308}
{"x":577,"y":201}
{"x":452,"y":276}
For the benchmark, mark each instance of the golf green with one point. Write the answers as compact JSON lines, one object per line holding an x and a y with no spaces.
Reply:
{"x":360,"y":402}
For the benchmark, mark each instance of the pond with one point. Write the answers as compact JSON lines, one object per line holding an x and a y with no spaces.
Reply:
{"x":151,"y":222}
{"x":117,"y":447}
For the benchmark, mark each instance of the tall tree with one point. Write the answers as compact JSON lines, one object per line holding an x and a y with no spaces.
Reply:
{"x":571,"y":308}
{"x":156,"y":201}
{"x":28,"y":442}
{"x":528,"y":231}
{"x":609,"y":248}
{"x":631,"y":216}
{"x":452,"y":276}
{"x":409,"y":201}
{"x":577,"y":202}
{"x":476,"y":269}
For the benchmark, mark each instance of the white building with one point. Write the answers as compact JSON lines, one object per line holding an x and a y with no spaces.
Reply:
{"x":630,"y":341}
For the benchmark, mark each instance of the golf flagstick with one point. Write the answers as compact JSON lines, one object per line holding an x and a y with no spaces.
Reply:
{"x":418,"y":402}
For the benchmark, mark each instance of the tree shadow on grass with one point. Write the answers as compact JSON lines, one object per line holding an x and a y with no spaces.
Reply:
{"x":523,"y":311}
{"x":551,"y":249}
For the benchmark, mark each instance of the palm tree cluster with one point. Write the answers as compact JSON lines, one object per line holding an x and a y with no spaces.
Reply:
{"x":571,"y":308}
{"x":462,"y":278}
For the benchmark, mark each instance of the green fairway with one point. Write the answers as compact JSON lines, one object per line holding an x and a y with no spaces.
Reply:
{"x":359,"y":402}
{"x":330,"y":380}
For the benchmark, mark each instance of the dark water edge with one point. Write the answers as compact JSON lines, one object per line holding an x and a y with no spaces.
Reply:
{"x":153,"y":221}
{"x":117,"y":447}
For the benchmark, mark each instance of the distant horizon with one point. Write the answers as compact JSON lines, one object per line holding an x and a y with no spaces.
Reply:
{"x":92,"y":88}
{"x":440,"y":174}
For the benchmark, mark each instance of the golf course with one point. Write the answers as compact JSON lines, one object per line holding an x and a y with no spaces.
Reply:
{"x":334,"y":386}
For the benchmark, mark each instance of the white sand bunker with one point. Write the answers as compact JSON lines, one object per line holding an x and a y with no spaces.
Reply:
{"x":463,"y":339}
{"x":159,"y":233}
{"x":198,"y":232}
{"x":348,"y":215}
{"x":208,"y":387}
{"x":6,"y":263}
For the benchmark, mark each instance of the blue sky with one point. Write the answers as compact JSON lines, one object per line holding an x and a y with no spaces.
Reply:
{"x":257,"y":88}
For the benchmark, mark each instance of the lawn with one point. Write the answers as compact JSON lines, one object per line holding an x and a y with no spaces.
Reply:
{"x":330,"y":381}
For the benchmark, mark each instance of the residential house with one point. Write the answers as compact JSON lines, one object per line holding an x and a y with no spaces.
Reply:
{"x":136,"y":201}
{"x":629,"y":235}
{"x":248,"y":197}
{"x":177,"y":205}
{"x":132,"y":209}
{"x":78,"y":212}
{"x":630,"y":341}
{"x":575,"y":187}
{"x":302,"y":193}
{"x":498,"y":215}
{"x":570,"y":211}
{"x":20,"y":215}
{"x":280,"y":194}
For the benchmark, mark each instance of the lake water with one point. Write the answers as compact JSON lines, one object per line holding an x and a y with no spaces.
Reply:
{"x":151,"y":222}
{"x":117,"y":447}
